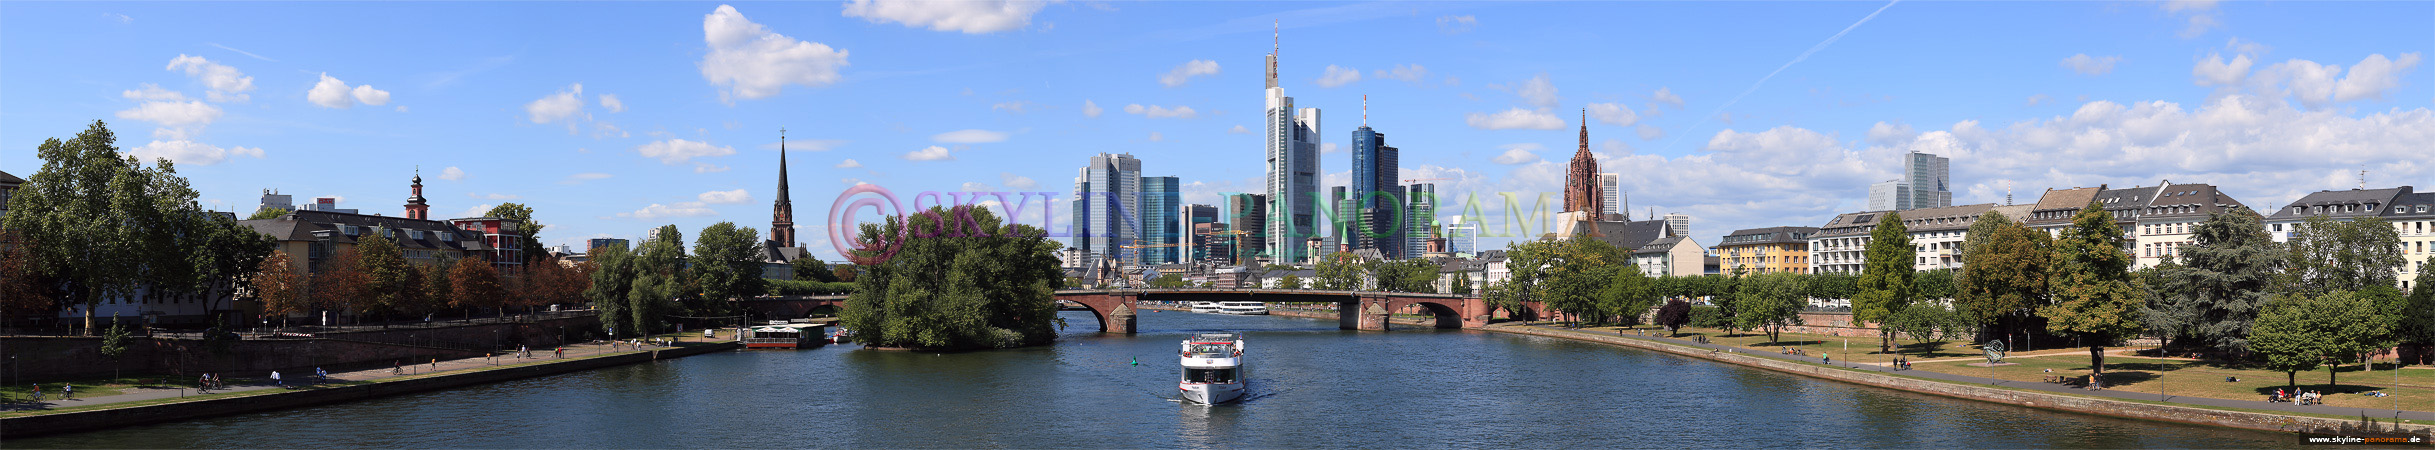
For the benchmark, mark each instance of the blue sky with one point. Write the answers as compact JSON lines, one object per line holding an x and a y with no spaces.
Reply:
{"x":612,"y":118}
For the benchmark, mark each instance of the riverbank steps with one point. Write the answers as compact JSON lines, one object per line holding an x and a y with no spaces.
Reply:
{"x":2041,"y":400}
{"x":97,"y":419}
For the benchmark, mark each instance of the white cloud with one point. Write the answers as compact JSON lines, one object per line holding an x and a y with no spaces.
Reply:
{"x":1185,"y":72}
{"x":189,"y":152}
{"x":680,"y":209}
{"x":2035,"y":100}
{"x":476,"y":211}
{"x":1517,"y":154}
{"x":849,"y":163}
{"x":1091,"y":109}
{"x":851,"y":181}
{"x":970,"y":17}
{"x":1238,"y":129}
{"x":582,"y":177}
{"x":1539,"y":92}
{"x":1155,"y":137}
{"x":1516,"y":118}
{"x":1161,"y":112}
{"x":329,"y":93}
{"x":401,"y":108}
{"x":1013,"y":106}
{"x":2202,"y":16}
{"x":1407,"y":73}
{"x":1338,"y":76}
{"x":452,"y":173}
{"x":1666,"y":96}
{"x":702,"y":167}
{"x":2318,"y":85}
{"x":1456,"y":24}
{"x":931,"y":153}
{"x":675,"y":151}
{"x":173,"y":114}
{"x":153,"y":92}
{"x":2087,"y":65}
{"x":972,"y":136}
{"x":566,"y":104}
{"x":2216,"y":72}
{"x":749,"y":61}
{"x":1613,"y":113}
{"x":975,"y":186}
{"x":1329,"y":147}
{"x":612,"y":103}
{"x":725,"y":197}
{"x":226,"y":83}
{"x":1016,"y":181}
{"x":1650,"y":132}
{"x":370,"y":96}
{"x":1891,"y":133}
{"x":2371,"y":77}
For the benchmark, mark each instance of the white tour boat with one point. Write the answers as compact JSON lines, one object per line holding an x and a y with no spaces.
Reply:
{"x":1213,"y":368}
{"x":1204,"y":307}
{"x":1243,"y":308}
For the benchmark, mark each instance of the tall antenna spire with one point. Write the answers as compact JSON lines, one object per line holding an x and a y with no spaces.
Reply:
{"x":1365,"y":110}
{"x":1278,"y":47}
{"x":2363,"y":178}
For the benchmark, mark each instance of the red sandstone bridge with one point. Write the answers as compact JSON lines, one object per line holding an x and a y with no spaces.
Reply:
{"x":1117,"y":309}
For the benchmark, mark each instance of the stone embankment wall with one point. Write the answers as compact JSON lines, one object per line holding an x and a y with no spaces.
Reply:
{"x":2100,"y":406}
{"x":39,"y":358}
{"x":16,"y":427}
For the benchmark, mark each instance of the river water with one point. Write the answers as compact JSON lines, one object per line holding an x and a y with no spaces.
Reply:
{"x":1313,"y":386}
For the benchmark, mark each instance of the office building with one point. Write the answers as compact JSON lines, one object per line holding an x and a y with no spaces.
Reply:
{"x":1189,"y":241}
{"x":1294,"y":198}
{"x":1246,"y":218}
{"x":1678,"y":224}
{"x":1925,"y":182}
{"x":1936,"y":236}
{"x":1462,"y":236}
{"x":1610,"y":191}
{"x":1107,"y":205}
{"x":1420,"y":218}
{"x":1379,"y":205}
{"x":271,"y":199}
{"x":1160,"y":202}
{"x":1766,"y":250}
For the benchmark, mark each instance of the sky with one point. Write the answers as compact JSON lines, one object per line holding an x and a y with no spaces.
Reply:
{"x":610,"y":119}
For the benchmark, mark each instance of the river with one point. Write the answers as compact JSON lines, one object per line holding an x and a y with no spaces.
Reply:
{"x":1312,"y":386}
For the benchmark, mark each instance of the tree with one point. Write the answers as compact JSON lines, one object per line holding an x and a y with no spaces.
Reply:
{"x":387,"y":278}
{"x":1168,"y":281}
{"x":2091,"y":285}
{"x":23,"y":288}
{"x":1886,"y":284}
{"x":439,"y":285}
{"x":89,"y":210}
{"x":475,"y":284}
{"x":279,"y":289}
{"x":1409,"y":275}
{"x":225,"y":257}
{"x":526,"y":226}
{"x":1290,"y":281}
{"x":114,"y":345}
{"x":846,"y":272}
{"x":2299,"y":332}
{"x":1563,"y":275}
{"x":1934,"y":284}
{"x":1925,"y":322}
{"x":1340,"y":271}
{"x":340,"y":280}
{"x":2219,"y":284}
{"x":1769,"y":301}
{"x":2004,"y":269}
{"x":2416,"y":325}
{"x":2329,"y":256}
{"x":1833,"y":285}
{"x":1628,"y":294}
{"x":1674,"y":315}
{"x":659,"y":281}
{"x":812,"y":269}
{"x":959,"y":279}
{"x":727,"y":264}
{"x":1462,"y":284}
{"x":268,"y":213}
{"x":612,"y":280}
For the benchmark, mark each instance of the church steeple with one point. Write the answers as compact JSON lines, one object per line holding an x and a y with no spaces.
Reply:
{"x":782,"y":216}
{"x":416,"y":207}
{"x":1581,"y":190}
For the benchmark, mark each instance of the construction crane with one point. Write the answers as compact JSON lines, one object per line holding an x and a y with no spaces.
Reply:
{"x":1425,"y":179}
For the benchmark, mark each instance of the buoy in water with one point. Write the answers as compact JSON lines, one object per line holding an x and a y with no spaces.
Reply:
{"x":1136,"y":360}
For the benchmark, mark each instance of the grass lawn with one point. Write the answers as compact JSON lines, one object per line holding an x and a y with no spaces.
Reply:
{"x":2415,"y":391}
{"x":1860,"y":348}
{"x":85,"y":388}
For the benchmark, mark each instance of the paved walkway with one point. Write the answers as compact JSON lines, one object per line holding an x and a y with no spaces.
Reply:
{"x":261,"y":380}
{"x":2036,"y":386}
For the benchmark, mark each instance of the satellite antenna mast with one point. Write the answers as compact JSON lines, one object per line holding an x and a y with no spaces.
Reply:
{"x":1365,"y":110}
{"x":2362,"y":176}
{"x":2007,"y":192}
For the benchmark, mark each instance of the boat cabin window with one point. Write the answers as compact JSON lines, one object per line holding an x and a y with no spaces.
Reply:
{"x":1209,"y":375}
{"x":1199,"y":349}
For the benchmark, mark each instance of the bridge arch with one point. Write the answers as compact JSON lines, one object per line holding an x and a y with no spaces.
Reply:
{"x":1448,"y":312}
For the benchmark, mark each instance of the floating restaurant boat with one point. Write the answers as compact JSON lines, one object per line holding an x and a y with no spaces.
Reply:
{"x":784,"y":335}
{"x":1243,"y":308}
{"x":1205,"y":307}
{"x":1213,"y":368}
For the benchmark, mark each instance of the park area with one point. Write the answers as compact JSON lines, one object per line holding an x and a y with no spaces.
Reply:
{"x":2409,"y":388}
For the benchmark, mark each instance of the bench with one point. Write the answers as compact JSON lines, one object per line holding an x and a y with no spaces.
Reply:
{"x":2054,"y":379}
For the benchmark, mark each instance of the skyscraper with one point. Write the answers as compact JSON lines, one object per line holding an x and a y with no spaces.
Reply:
{"x":1925,"y":182}
{"x":1462,"y":236}
{"x":1581,"y":192}
{"x":1420,"y":219}
{"x":1678,"y":224}
{"x":1247,"y":214}
{"x":1610,"y":193}
{"x":1293,"y":171}
{"x":1160,"y":201}
{"x":1107,"y":208}
{"x":1190,"y":221}
{"x":1378,"y":203}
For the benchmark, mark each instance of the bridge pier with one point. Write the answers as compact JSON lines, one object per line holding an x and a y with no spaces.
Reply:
{"x":1122,"y":320}
{"x":1373,"y":313}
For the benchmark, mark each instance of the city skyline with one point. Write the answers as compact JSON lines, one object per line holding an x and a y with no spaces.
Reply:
{"x":1739,"y":117}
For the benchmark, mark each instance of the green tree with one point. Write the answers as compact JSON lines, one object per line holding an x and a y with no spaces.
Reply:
{"x":438,"y":287}
{"x":2299,"y":332}
{"x":1833,"y":285}
{"x":1770,"y":302}
{"x":812,"y":269}
{"x":476,"y":285}
{"x":1935,"y":284}
{"x":1340,"y":271}
{"x":1462,"y":284}
{"x":1628,"y":294}
{"x":90,"y":214}
{"x":726,"y":263}
{"x":2216,"y":288}
{"x":1886,"y":284}
{"x":2326,"y":255}
{"x":1168,"y":281}
{"x":1408,"y":275}
{"x":1289,"y":282}
{"x":2091,"y":285}
{"x":279,"y":289}
{"x":2004,"y":270}
{"x":268,"y":213}
{"x":386,"y":275}
{"x":612,"y":281}
{"x":525,"y":226}
{"x":2416,"y":325}
{"x":1928,"y":321}
{"x":660,"y":282}
{"x":960,"y":279}
{"x":114,"y":345}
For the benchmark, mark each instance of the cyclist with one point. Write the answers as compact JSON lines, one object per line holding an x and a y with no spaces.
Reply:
{"x":67,"y":391}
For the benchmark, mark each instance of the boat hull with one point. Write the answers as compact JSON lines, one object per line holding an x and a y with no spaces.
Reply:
{"x":1211,"y":393}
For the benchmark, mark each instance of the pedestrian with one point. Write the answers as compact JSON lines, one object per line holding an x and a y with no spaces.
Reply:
{"x":37,"y":392}
{"x":523,"y":351}
{"x":561,"y":352}
{"x":67,"y":391}
{"x":275,"y":379}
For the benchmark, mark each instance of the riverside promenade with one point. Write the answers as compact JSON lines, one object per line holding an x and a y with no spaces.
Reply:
{"x":2251,"y":414}
{"x":179,"y":400}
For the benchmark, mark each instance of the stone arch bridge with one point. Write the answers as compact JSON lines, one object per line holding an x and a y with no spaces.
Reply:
{"x":1118,"y":309}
